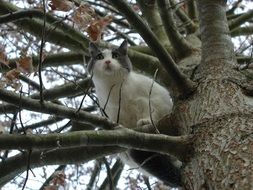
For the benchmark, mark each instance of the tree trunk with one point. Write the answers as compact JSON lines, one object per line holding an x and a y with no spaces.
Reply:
{"x":217,"y":114}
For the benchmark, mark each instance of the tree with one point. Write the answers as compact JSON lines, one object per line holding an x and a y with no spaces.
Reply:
{"x":188,"y":42}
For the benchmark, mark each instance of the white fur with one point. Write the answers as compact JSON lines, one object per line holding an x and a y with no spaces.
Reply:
{"x":134,"y":103}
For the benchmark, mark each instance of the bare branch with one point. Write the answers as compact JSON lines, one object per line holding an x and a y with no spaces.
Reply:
{"x":46,"y":183}
{"x":13,"y":166}
{"x":190,"y":26}
{"x":116,"y":171}
{"x":50,"y":108}
{"x":151,"y":15}
{"x":182,"y":86}
{"x":66,"y":90}
{"x":109,"y":174}
{"x":242,"y":31}
{"x":178,"y":146}
{"x":192,"y":9}
{"x":240,"y":20}
{"x":234,"y":7}
{"x":28,"y":168}
{"x":181,"y":46}
{"x":72,"y":38}
{"x":94,"y":174}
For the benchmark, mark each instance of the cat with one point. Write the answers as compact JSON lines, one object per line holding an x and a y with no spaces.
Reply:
{"x":133,"y":100}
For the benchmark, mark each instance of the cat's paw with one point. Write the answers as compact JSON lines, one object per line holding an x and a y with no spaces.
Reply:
{"x":143,"y":122}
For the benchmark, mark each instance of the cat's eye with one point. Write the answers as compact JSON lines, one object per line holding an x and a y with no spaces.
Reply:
{"x":99,"y":56}
{"x":115,"y":55}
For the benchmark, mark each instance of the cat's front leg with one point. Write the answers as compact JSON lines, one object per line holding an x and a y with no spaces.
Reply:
{"x":143,"y":121}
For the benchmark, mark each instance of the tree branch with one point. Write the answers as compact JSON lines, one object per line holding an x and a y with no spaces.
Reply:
{"x":240,"y":20}
{"x":94,"y":174}
{"x":50,"y":108}
{"x":242,"y":31}
{"x":151,"y":15}
{"x":190,"y":26}
{"x":72,"y":38}
{"x":219,"y":44}
{"x":192,"y":9}
{"x":178,"y":146}
{"x":13,"y":166}
{"x":66,"y":90}
{"x":181,"y":46}
{"x":182,"y":86}
{"x":234,"y":7}
{"x":116,"y":171}
{"x":52,"y":60}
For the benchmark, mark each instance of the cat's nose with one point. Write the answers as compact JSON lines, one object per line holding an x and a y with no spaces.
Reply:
{"x":107,"y":62}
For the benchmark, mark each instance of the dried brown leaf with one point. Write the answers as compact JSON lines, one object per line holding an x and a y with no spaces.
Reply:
{"x":3,"y":58}
{"x":61,"y":5}
{"x":97,"y":27}
{"x":25,"y":64}
{"x":12,"y":75}
{"x":16,"y":85}
{"x":58,"y":178}
{"x":51,"y":187}
{"x":83,"y":15}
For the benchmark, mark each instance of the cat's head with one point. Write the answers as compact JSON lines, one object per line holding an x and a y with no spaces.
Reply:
{"x":109,"y":61}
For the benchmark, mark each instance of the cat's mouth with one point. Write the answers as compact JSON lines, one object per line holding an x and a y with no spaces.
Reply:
{"x":108,"y":68}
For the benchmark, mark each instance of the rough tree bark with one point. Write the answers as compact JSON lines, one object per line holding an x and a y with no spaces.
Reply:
{"x":208,"y":90}
{"x":217,"y":114}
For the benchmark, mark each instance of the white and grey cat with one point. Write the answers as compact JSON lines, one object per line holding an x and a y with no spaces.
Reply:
{"x":126,"y":99}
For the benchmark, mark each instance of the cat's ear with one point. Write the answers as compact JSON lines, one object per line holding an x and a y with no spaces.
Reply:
{"x":93,"y":49}
{"x":123,"y":47}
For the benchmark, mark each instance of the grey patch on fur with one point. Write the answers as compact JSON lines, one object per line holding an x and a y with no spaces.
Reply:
{"x":121,"y":51}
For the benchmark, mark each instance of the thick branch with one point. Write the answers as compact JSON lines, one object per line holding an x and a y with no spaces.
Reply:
{"x":190,"y":26}
{"x":240,"y":20}
{"x":181,"y":46}
{"x":66,"y":90}
{"x":53,"y":109}
{"x":14,"y":16}
{"x":52,"y":60}
{"x":151,"y":15}
{"x":192,"y":9}
{"x":181,"y":85}
{"x":56,"y":29}
{"x":242,"y":31}
{"x":219,"y":46}
{"x":13,"y":166}
{"x":174,"y":145}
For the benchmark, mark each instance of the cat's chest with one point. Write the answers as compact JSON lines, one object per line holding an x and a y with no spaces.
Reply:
{"x":120,"y":100}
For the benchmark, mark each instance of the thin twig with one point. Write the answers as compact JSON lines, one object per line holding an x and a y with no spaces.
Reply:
{"x":108,"y":97}
{"x":144,"y":162}
{"x":95,"y":172}
{"x":13,"y":124}
{"x":120,"y":94}
{"x":146,"y":181}
{"x":50,"y":108}
{"x":19,"y":113}
{"x":109,"y":174}
{"x":149,"y":103}
{"x":46,"y":183}
{"x":27,"y":168}
{"x":41,"y":53}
